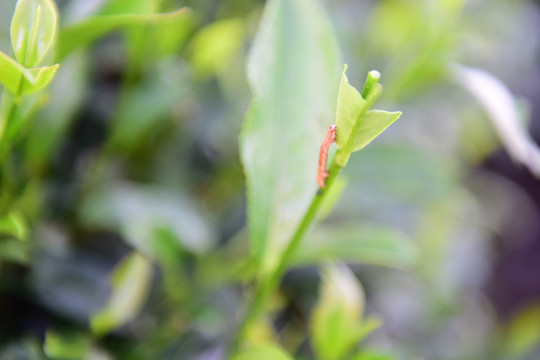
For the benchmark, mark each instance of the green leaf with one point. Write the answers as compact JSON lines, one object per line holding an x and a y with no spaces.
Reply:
{"x":60,"y":346}
{"x":145,"y":107}
{"x":22,"y":81}
{"x":337,"y":317}
{"x":138,"y":211}
{"x":130,"y":284}
{"x":33,"y":28}
{"x":14,"y":225}
{"x":356,"y":125}
{"x":216,"y":45}
{"x":350,"y":106}
{"x":263,"y":352}
{"x":369,"y":244}
{"x":373,"y":124}
{"x":85,"y":32}
{"x":292,"y":70}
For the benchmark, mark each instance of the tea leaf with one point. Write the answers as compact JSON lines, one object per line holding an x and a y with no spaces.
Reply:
{"x":131,"y":283}
{"x":293,"y":98}
{"x":33,"y":28}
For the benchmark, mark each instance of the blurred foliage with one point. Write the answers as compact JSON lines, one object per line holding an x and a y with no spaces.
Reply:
{"x":123,"y":199}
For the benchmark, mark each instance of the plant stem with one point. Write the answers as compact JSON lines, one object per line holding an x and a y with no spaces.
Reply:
{"x":268,"y":286}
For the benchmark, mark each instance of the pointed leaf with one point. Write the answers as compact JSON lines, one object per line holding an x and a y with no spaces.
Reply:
{"x":33,"y":28}
{"x":337,"y":316}
{"x":130,"y":284}
{"x":369,"y":244}
{"x":292,"y":71}
{"x":373,"y":124}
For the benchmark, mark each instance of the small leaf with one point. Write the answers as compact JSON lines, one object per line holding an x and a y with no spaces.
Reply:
{"x":60,"y":346}
{"x":356,"y":125}
{"x":373,"y":124}
{"x":131,"y":284}
{"x":263,"y":352}
{"x":14,"y":225}
{"x":33,"y":28}
{"x":85,"y":32}
{"x":22,"y":81}
{"x":337,"y":317}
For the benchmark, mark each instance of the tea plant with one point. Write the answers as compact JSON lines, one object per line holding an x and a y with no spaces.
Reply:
{"x":134,"y":240}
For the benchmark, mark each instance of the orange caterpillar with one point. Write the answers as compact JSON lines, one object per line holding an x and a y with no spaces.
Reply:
{"x":323,"y":155}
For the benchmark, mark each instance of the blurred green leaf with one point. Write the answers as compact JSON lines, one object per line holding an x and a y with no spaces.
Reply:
{"x":293,"y":72}
{"x":14,"y":225}
{"x":115,"y":7}
{"x":85,"y":32}
{"x":263,"y":352}
{"x":368,"y":243}
{"x":216,"y":45}
{"x":418,"y":38}
{"x":33,"y":29}
{"x":131,"y":281}
{"x":523,"y":333}
{"x":64,"y":347}
{"x":336,"y":320}
{"x":46,"y":134}
{"x":146,"y":106}
{"x":139,"y":211}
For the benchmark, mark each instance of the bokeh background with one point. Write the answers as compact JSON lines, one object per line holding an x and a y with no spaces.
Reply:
{"x":136,"y":147}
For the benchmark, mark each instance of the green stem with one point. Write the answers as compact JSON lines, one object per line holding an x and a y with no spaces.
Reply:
{"x":270,"y":284}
